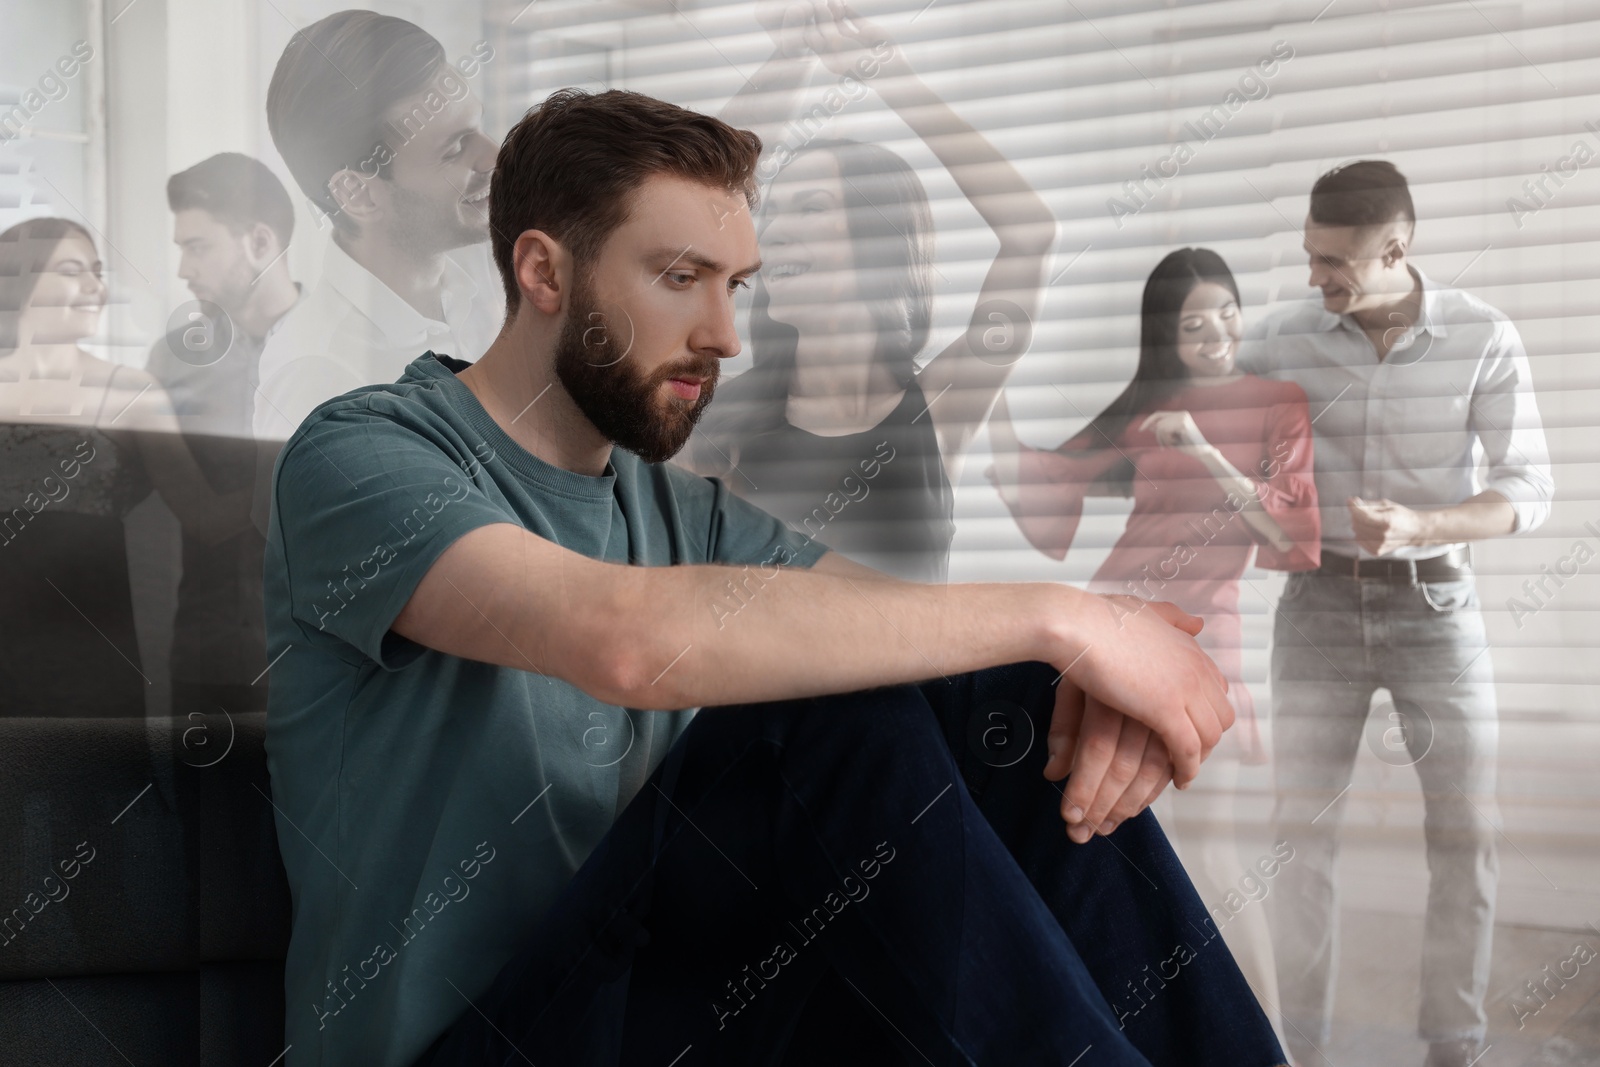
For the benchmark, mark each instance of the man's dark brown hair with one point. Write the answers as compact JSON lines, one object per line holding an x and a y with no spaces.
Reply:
{"x":1368,"y":192}
{"x":236,"y":190}
{"x":570,"y":167}
{"x":330,"y":91}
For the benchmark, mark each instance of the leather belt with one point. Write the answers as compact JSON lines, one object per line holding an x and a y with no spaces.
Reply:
{"x":1451,"y":565}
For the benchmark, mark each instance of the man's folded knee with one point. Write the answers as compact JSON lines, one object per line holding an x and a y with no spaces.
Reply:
{"x":898,"y":714}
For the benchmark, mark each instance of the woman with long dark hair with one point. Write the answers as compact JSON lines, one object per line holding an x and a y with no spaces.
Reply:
{"x":1219,"y":464}
{"x":835,"y":429}
{"x":82,"y":441}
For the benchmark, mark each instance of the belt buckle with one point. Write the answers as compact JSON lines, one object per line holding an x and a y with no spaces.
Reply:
{"x":1355,"y":568}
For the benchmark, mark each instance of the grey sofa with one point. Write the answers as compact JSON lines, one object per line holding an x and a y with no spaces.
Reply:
{"x":144,"y":912}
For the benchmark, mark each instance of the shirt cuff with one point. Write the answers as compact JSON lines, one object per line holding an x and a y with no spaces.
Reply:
{"x":1530,"y":505}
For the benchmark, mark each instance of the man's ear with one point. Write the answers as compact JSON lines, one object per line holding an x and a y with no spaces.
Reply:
{"x":543,"y":270}
{"x":353,"y":192}
{"x":261,"y":246}
{"x":1396,"y":243}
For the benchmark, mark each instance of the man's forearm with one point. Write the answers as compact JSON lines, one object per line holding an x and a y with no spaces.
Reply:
{"x":697,"y":635}
{"x":731,"y":635}
{"x":1486,"y":515}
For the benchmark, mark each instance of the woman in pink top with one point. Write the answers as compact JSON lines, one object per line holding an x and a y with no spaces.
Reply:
{"x":1218,"y":463}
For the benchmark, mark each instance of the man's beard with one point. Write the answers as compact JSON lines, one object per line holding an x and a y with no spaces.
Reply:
{"x":598,"y":371}
{"x":422,"y":227}
{"x":232,"y":291}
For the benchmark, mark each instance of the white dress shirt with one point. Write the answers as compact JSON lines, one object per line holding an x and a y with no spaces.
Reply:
{"x":353,"y":330}
{"x":1453,"y":390}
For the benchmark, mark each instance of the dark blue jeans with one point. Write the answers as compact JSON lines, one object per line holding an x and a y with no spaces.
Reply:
{"x":901,"y":843}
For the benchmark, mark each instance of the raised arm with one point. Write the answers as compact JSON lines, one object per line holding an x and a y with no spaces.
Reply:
{"x":1043,"y":489}
{"x":962,"y":381}
{"x":503,"y":595}
{"x":771,"y":98}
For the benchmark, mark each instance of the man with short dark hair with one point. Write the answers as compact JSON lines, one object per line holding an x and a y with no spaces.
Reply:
{"x":382,"y":133}
{"x":232,"y":222}
{"x":1407,"y":381}
{"x":509,"y":832}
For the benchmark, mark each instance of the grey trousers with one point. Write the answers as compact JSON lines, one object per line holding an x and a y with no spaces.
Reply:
{"x":1336,"y":640}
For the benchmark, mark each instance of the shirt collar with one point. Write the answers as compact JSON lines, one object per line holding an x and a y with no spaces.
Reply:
{"x":1432,"y":320}
{"x":299,"y":297}
{"x":1432,"y":313}
{"x":397,"y":320}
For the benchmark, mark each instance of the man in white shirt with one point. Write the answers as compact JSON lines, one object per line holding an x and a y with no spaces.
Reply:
{"x":401,"y":167}
{"x":1409,"y":382}
{"x":354,"y":330}
{"x":232,"y":220}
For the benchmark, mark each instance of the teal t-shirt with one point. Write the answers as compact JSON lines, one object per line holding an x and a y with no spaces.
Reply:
{"x":430,"y":808}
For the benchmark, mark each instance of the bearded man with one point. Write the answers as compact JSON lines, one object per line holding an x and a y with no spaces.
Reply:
{"x":541,"y":797}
